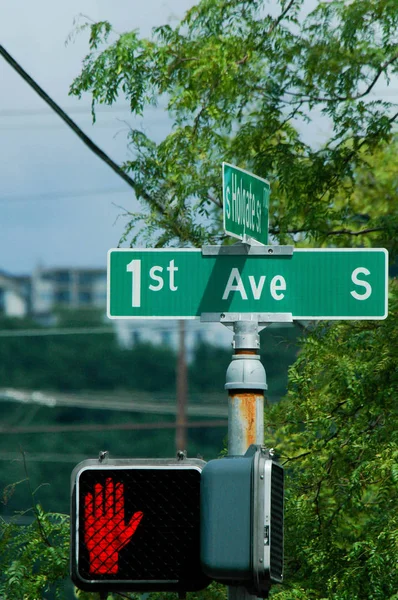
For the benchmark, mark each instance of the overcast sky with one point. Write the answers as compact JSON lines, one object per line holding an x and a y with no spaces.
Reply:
{"x":57,"y":199}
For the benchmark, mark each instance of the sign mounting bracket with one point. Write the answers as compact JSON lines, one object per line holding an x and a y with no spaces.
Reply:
{"x":262,"y":319}
{"x":250,"y":249}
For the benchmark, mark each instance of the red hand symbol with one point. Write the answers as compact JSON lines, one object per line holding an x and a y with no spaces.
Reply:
{"x":105,"y":532}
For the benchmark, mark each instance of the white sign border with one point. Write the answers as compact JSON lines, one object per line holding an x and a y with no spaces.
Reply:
{"x":295,"y":317}
{"x":234,"y":235}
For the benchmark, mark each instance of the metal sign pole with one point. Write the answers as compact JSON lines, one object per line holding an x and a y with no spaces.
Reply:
{"x":246,"y":383}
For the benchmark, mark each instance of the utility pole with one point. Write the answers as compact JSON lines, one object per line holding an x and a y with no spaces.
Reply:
{"x":182,"y":390}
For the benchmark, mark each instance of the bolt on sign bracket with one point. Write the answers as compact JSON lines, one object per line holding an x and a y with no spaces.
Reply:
{"x":250,"y":247}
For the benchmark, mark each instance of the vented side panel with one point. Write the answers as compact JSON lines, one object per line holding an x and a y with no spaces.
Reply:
{"x":276,"y":533}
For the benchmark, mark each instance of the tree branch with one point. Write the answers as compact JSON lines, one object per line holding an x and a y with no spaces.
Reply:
{"x":349,"y":232}
{"x":327,"y":233}
{"x":214,"y":200}
{"x":281,"y":17}
{"x":297,"y":457}
{"x":381,"y":69}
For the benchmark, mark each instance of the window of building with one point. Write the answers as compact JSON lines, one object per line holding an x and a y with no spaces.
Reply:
{"x":61,"y":276}
{"x":85,"y":298}
{"x":62,"y":297}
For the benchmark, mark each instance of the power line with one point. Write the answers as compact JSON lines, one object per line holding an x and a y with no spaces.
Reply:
{"x":54,"y":331}
{"x":42,"y":457}
{"x":155,"y":200}
{"x":136,"y":327}
{"x":55,"y":126}
{"x":114,"y":427}
{"x":60,"y":195}
{"x":133,"y":402}
{"x":85,"y":139}
{"x":36,"y":112}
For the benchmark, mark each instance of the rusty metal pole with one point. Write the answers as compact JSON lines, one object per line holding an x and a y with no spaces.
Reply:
{"x":246,"y":383}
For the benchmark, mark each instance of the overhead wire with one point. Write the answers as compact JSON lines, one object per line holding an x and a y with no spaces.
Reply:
{"x":55,"y":331}
{"x":55,"y":126}
{"x":112,"y":401}
{"x":61,"y":195}
{"x":195,"y":327}
{"x":114,"y":427}
{"x":65,"y":117}
{"x":36,"y":112}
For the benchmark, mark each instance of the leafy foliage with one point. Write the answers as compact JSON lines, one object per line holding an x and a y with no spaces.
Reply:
{"x":35,"y":557}
{"x":337,"y":434}
{"x":79,"y":362}
{"x":238,"y":83}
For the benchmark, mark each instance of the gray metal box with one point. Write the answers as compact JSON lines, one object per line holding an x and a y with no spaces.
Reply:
{"x":226,"y":518}
{"x":242,"y":520}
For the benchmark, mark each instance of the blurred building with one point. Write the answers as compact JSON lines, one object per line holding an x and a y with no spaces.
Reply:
{"x":166,"y":333}
{"x":48,"y":289}
{"x":14,"y":295}
{"x":75,"y":288}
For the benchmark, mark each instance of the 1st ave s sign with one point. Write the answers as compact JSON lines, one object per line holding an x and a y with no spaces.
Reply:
{"x":311,"y":284}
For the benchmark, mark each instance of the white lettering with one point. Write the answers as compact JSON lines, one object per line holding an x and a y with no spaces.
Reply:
{"x":278,"y":283}
{"x":257,"y":289}
{"x":354,"y":278}
{"x":234,"y":287}
{"x":258,"y":217}
{"x":134,"y":267}
{"x":247,"y":201}
{"x":172,"y":269}
{"x":234,"y":209}
{"x":253,"y":208}
{"x":228,"y":201}
{"x":158,"y":278}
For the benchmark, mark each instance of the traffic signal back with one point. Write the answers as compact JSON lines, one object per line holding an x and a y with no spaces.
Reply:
{"x":242,"y":520}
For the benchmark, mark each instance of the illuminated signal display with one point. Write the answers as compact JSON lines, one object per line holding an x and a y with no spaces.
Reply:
{"x":106,"y":532}
{"x":136,"y":527}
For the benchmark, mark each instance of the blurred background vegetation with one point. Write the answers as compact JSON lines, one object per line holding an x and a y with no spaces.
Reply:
{"x":46,"y":435}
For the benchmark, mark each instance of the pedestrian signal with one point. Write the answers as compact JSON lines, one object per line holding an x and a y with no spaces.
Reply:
{"x":136,"y":525}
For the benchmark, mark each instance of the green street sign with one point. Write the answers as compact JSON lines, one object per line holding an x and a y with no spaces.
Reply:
{"x":311,"y":284}
{"x":245,"y":204}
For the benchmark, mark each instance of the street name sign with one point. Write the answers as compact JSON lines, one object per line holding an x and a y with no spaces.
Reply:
{"x":311,"y":284}
{"x":245,"y":204}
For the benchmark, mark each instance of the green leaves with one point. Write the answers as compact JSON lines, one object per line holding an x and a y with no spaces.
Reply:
{"x":242,"y":84}
{"x":33,"y":564}
{"x":336,"y":431}
{"x":238,"y":84}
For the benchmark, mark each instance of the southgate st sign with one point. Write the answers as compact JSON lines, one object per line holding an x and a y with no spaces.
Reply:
{"x":311,"y":284}
{"x":245,"y":204}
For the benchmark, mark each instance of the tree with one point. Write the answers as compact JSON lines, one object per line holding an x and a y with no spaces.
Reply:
{"x":35,"y":556}
{"x":238,"y":83}
{"x":337,"y":434}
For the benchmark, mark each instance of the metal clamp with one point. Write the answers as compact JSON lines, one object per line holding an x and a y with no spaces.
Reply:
{"x":247,"y":248}
{"x":262,"y":319}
